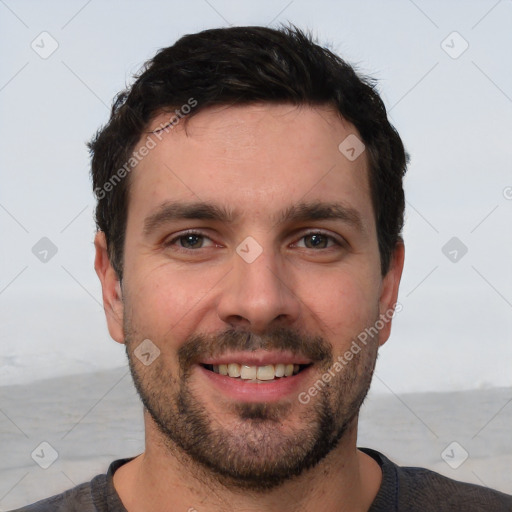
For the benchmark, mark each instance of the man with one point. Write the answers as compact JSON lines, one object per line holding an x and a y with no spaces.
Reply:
{"x":250,"y":208}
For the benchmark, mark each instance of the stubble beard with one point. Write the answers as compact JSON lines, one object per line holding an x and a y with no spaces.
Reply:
{"x":254,"y":452}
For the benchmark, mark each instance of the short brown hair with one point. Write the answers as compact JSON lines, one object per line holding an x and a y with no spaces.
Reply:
{"x":243,"y":65}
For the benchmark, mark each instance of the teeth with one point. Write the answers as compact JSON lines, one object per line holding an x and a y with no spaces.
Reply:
{"x":257,"y":373}
{"x":233,"y":370}
{"x":248,"y":372}
{"x":265,"y":372}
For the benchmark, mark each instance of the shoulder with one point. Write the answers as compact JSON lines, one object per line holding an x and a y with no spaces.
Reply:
{"x":419,"y":485}
{"x":77,"y":498}
{"x":95,"y":496}
{"x":420,"y":489}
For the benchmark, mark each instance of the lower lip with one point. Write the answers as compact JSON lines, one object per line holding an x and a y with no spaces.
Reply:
{"x":266,"y":391}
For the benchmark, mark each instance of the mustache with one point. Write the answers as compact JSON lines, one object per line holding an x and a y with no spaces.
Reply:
{"x":201,"y":346}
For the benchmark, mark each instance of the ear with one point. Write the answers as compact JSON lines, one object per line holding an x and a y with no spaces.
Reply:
{"x":389,"y":291}
{"x":111,"y":288}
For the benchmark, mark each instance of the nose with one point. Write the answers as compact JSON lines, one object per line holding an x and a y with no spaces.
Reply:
{"x":259,"y":295}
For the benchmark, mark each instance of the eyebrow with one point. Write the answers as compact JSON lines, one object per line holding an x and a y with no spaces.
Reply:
{"x":301,"y":212}
{"x":172,"y":211}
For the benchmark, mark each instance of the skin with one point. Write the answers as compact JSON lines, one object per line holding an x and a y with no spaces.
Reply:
{"x":257,"y":160}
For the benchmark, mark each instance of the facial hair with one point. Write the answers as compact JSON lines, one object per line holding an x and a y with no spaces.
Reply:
{"x":252,"y":452}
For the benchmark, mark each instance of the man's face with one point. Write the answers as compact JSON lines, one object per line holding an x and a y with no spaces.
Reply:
{"x":251,"y":241}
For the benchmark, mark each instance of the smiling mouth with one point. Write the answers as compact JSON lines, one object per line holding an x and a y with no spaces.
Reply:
{"x":269,"y":372}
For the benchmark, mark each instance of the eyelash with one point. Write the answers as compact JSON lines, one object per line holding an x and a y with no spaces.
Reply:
{"x":175,"y":239}
{"x":339,"y":243}
{"x":184,"y":234}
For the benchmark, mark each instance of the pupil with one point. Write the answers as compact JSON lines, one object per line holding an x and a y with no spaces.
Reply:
{"x":191,"y":240}
{"x":316,"y":240}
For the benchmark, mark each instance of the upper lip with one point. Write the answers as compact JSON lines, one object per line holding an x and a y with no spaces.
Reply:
{"x":257,"y":358}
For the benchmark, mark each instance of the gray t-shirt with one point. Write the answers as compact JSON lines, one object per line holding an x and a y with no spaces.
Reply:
{"x":403,"y":489}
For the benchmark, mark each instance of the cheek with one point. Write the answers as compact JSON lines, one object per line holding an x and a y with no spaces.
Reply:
{"x":166,"y":300}
{"x":346,"y":305}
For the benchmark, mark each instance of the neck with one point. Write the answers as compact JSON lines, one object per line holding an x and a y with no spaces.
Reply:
{"x":346,"y":479}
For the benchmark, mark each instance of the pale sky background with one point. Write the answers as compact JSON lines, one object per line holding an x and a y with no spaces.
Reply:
{"x":454,"y":116}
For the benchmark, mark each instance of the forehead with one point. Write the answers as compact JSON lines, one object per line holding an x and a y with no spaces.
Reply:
{"x":253,"y":159}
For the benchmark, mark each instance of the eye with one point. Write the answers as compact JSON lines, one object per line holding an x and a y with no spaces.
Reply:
{"x":317,"y":240}
{"x":190,"y":240}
